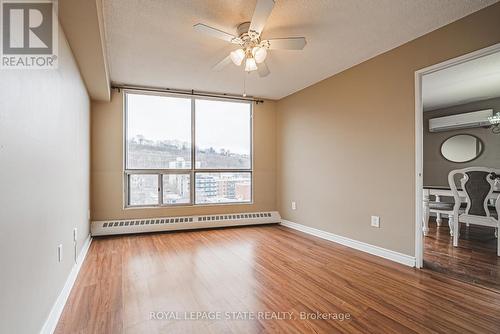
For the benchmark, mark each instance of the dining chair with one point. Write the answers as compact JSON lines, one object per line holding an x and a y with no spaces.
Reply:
{"x":478,"y":185}
{"x":440,"y":209}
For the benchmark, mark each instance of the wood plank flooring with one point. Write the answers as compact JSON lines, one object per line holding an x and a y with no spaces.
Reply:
{"x":475,"y":259}
{"x":264,"y":269}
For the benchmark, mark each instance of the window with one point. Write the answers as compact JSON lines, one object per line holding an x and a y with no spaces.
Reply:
{"x":158,"y":132}
{"x":187,"y":150}
{"x":222,"y":135}
{"x":214,"y":188}
{"x":143,"y":189}
{"x":176,"y":188}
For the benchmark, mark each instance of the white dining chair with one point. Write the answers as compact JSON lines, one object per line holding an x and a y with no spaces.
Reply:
{"x":478,"y":185}
{"x":440,"y":209}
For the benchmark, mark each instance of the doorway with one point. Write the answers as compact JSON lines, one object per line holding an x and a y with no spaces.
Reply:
{"x":469,"y":84}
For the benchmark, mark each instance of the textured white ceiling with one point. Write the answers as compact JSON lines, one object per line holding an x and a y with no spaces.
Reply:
{"x":476,"y":80}
{"x":152,"y":42}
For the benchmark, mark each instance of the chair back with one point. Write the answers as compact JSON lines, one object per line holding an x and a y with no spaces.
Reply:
{"x":478,"y":184}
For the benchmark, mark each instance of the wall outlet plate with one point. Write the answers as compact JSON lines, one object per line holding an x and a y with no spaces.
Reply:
{"x":59,"y":253}
{"x":375,"y":222}
{"x":294,"y":205}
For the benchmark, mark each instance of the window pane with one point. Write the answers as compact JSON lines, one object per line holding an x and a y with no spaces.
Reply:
{"x":143,"y":189}
{"x":223,"y":188}
{"x":222,"y":134}
{"x":158,"y":132}
{"x":176,"y":189}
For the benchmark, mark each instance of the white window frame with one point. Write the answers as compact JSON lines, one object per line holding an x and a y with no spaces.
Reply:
{"x":193,"y":170}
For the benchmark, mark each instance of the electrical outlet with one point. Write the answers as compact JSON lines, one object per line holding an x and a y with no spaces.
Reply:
{"x":59,"y":253}
{"x":75,"y":244}
{"x":294,"y":205}
{"x":375,"y":221}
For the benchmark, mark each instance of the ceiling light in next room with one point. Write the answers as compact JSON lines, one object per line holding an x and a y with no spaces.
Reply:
{"x":495,"y":119}
{"x":495,"y":122}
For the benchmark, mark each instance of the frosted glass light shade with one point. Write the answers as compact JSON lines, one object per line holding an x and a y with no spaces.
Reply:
{"x":259,"y":54}
{"x":250,"y":65}
{"x":237,"y":56}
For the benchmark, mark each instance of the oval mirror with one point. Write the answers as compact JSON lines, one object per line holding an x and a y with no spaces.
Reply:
{"x":461,"y":148}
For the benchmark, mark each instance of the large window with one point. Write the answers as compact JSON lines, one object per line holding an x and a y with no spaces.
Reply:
{"x":187,"y":150}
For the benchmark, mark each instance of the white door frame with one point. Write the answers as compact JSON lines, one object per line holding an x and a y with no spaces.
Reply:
{"x":419,"y":249}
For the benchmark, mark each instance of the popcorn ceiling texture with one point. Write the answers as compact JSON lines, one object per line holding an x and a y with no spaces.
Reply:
{"x":152,"y":42}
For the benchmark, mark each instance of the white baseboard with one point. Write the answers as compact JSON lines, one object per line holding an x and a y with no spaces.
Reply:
{"x":362,"y":246}
{"x":50,"y":324}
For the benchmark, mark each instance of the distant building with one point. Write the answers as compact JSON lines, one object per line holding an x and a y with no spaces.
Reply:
{"x":243,"y":191}
{"x":206,"y":187}
{"x":179,"y":163}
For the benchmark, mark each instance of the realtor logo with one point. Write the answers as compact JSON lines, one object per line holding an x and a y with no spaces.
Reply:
{"x":29,"y":34}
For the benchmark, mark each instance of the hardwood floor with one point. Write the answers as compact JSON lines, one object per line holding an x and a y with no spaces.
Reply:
{"x":264,"y":269}
{"x":475,"y":259}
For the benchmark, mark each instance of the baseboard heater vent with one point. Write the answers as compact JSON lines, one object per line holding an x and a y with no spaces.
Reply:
{"x":111,"y":227}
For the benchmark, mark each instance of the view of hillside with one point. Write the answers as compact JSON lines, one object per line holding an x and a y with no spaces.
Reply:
{"x":147,"y":154}
{"x":225,"y":187}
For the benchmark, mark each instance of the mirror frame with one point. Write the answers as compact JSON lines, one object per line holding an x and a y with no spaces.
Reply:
{"x":461,"y":134}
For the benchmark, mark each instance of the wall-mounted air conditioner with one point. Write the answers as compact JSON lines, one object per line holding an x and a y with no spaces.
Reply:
{"x":468,"y":120}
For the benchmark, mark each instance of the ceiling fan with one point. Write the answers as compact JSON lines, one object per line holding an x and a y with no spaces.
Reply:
{"x":252,"y":49}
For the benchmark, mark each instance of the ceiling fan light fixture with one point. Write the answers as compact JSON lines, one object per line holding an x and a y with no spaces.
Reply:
{"x":237,"y":56}
{"x":252,"y":48}
{"x":259,"y":53}
{"x":250,"y":65}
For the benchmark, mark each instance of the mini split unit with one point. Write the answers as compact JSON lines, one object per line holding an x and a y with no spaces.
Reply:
{"x":468,"y":120}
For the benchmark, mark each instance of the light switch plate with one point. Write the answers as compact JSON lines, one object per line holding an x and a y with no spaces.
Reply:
{"x":294,"y":205}
{"x":375,"y":221}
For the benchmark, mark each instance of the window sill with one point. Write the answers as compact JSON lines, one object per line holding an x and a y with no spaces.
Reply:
{"x":181,"y":206}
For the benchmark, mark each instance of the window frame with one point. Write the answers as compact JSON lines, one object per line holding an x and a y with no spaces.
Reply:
{"x":191,"y":171}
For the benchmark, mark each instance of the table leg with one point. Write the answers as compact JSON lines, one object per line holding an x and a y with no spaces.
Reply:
{"x":439,"y":220}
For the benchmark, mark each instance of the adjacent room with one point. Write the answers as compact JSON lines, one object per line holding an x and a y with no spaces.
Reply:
{"x":461,"y":112}
{"x":259,"y":166}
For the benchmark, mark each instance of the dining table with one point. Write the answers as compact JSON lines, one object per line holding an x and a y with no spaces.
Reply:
{"x":440,"y":193}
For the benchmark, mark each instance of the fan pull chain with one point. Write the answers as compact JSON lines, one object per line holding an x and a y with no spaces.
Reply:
{"x":245,"y":84}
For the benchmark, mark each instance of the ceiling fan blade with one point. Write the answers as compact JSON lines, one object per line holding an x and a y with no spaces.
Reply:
{"x":263,"y":70}
{"x":222,"y":64}
{"x":291,"y":43}
{"x":204,"y":29}
{"x":262,"y":11}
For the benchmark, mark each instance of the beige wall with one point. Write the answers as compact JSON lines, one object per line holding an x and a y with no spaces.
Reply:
{"x":436,"y":168}
{"x":44,"y":187}
{"x":107,"y":166}
{"x":346,"y":144}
